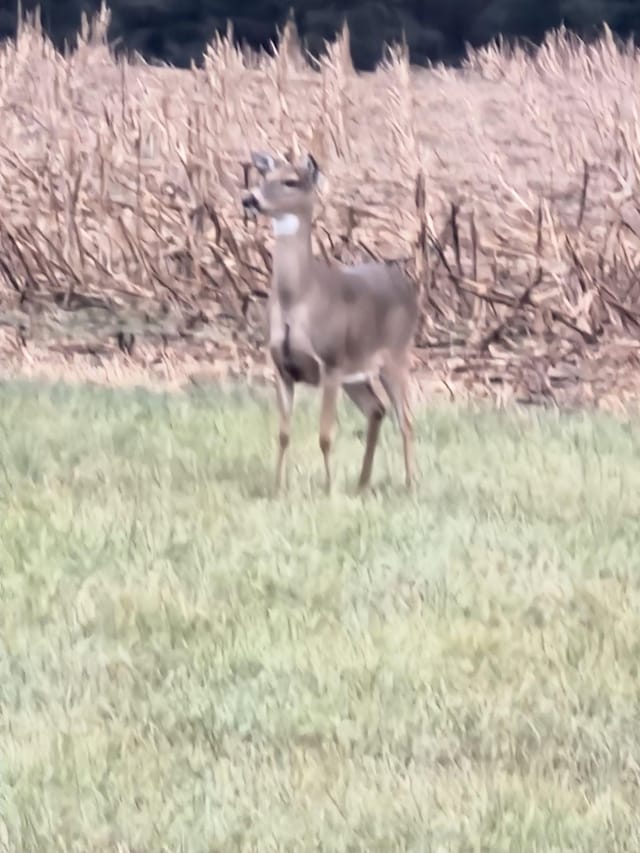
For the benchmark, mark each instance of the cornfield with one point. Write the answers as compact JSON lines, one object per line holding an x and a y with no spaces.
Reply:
{"x":505,"y":187}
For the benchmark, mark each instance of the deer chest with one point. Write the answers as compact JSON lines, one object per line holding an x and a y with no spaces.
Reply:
{"x":291,"y":347}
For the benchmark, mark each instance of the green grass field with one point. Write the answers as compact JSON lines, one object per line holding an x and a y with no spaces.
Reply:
{"x":190,"y":664}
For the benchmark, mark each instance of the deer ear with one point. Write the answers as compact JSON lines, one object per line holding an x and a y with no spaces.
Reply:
{"x":263,"y":162}
{"x":312,"y":169}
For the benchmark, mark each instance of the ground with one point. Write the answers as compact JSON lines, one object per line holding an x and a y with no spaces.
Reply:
{"x":189,"y":663}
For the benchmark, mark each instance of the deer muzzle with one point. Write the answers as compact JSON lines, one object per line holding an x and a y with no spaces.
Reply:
{"x":251,"y":203}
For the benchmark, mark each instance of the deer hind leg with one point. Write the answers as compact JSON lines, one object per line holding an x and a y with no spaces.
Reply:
{"x":395,"y":380}
{"x":370,"y":403}
{"x":284,"y":388}
{"x":327,"y":422}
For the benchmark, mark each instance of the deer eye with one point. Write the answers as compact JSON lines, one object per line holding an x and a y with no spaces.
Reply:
{"x":291,"y":183}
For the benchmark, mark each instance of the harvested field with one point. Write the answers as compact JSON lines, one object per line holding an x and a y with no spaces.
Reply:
{"x":506,"y":188}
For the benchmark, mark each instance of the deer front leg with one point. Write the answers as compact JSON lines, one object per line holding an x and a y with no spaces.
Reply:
{"x":327,"y":421}
{"x":284,"y":388}
{"x":371,"y":405}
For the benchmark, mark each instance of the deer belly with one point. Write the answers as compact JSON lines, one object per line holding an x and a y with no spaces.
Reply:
{"x":364,"y":369}
{"x":357,"y":378}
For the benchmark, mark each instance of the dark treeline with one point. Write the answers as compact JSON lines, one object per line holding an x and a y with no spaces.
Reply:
{"x":176,"y":31}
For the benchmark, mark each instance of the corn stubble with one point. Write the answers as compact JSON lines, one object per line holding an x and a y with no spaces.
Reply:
{"x":505,"y":188}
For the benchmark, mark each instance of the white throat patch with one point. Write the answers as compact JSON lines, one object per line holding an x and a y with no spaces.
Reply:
{"x":285,"y":226}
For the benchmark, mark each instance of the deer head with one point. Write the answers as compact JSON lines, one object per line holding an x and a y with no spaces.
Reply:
{"x":285,"y":189}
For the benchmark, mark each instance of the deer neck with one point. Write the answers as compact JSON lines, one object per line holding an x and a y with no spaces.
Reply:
{"x":291,"y":257}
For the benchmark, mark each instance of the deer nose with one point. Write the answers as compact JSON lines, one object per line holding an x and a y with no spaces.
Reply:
{"x":250,"y":202}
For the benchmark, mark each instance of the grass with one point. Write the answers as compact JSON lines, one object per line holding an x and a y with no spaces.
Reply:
{"x":188,"y":664}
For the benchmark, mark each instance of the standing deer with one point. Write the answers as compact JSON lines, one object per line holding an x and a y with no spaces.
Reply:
{"x":332,"y":326}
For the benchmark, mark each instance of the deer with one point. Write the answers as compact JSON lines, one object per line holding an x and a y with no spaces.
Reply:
{"x":331,"y":326}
